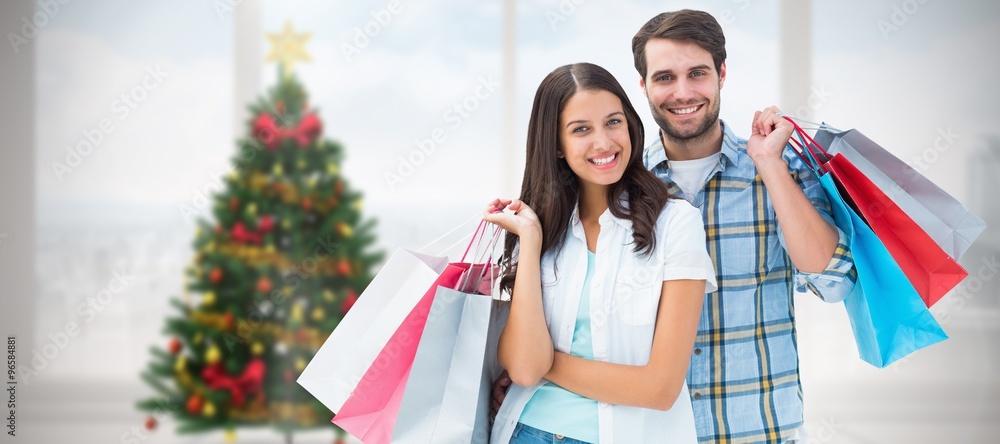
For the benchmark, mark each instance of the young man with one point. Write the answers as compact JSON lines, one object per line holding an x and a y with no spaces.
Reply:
{"x":768,"y":225}
{"x":769,"y":231}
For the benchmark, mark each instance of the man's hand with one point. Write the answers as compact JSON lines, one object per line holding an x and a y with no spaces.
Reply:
{"x":768,"y":136}
{"x":500,"y":387}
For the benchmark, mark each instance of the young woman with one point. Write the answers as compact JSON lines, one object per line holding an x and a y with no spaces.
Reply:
{"x":607,"y":275}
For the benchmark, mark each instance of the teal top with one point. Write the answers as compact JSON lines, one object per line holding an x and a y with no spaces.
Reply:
{"x":557,"y":410}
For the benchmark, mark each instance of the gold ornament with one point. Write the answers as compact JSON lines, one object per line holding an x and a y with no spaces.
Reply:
{"x":317,"y":314}
{"x":345,"y":230}
{"x":311,"y":182}
{"x":301,"y":164}
{"x":258,"y":181}
{"x":277,"y":170}
{"x":233,"y":175}
{"x":209,"y":409}
{"x":213,"y":355}
{"x":257,"y":348}
{"x":197,"y":338}
{"x":230,"y":435}
{"x":288,"y":47}
{"x":358,"y":205}
{"x":252,"y":209}
{"x":269,"y":248}
{"x":286,"y":223}
{"x":209,"y":247}
{"x":332,"y":169}
{"x":296,"y":315}
{"x":328,"y":295}
{"x":208,"y":298}
{"x":180,"y":364}
{"x":300,"y":364}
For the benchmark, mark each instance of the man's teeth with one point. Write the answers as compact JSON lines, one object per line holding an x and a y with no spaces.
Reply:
{"x":605,"y":160}
{"x":685,"y":110}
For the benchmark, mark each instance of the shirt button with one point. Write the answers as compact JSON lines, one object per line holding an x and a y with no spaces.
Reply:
{"x":602,"y":405}
{"x":697,"y":396}
{"x":697,"y":351}
{"x":559,"y":437}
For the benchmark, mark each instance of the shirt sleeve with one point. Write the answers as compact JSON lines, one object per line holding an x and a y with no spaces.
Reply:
{"x":681,"y":234}
{"x":835,"y":282}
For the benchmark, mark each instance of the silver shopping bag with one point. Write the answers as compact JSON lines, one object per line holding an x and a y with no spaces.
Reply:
{"x":447,"y":396}
{"x":949,"y":223}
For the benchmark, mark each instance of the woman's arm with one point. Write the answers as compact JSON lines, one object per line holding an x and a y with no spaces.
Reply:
{"x":525,"y":348}
{"x":657,"y":384}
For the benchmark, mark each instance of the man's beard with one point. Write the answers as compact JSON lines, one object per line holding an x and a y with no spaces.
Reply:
{"x":711,"y":119}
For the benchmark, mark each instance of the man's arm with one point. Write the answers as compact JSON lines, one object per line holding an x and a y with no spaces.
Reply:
{"x":817,"y":248}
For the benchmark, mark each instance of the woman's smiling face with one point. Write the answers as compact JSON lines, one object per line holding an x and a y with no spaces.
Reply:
{"x":594,"y":137}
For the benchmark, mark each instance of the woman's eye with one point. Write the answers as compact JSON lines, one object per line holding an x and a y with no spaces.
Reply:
{"x":580,"y":129}
{"x":614,"y":122}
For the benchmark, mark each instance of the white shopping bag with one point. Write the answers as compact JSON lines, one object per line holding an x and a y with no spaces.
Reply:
{"x":352,"y":347}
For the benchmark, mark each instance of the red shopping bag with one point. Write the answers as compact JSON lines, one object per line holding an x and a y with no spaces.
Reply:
{"x":929,"y":268}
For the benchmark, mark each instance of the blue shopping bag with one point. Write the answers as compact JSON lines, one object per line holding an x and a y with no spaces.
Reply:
{"x":888,"y":317}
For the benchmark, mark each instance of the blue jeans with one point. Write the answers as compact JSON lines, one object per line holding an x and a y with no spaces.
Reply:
{"x":529,"y":435}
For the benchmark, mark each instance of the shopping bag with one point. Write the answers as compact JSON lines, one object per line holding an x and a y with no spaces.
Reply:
{"x":946,"y":220}
{"x":360,"y":337}
{"x":888,"y":318}
{"x":369,"y":412}
{"x":931,"y":271}
{"x":448,"y":395}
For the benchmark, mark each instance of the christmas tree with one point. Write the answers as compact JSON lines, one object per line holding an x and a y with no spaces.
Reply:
{"x":284,"y":260}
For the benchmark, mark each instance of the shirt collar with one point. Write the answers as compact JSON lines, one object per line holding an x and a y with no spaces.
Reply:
{"x":657,"y":154}
{"x":576,"y":224}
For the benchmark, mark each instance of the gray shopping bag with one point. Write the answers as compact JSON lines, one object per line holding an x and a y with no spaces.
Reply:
{"x":949,"y":223}
{"x":447,"y":395}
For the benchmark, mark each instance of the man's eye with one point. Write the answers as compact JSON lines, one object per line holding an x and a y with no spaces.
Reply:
{"x":697,"y":74}
{"x":663,"y":78}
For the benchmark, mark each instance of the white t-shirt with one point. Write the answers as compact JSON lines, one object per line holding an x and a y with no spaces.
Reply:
{"x":690,"y":175}
{"x":624,"y":296}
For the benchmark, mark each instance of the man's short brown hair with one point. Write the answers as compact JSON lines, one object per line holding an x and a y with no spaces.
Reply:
{"x":686,"y":25}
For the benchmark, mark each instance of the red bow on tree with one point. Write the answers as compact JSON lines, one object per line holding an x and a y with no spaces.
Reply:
{"x":248,"y":382}
{"x":267,"y":130}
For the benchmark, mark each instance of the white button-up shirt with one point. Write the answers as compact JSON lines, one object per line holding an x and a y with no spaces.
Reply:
{"x":625,"y":294}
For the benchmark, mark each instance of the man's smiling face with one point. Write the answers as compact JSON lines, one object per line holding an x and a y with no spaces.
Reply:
{"x":682,"y":87}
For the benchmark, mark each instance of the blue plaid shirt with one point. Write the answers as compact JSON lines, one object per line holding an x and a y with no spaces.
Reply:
{"x":744,"y":374}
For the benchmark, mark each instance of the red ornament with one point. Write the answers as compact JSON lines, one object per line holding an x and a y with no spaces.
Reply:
{"x":150,"y":423}
{"x":277,"y":187}
{"x":265,"y":224}
{"x":218,"y":229}
{"x":264,"y":285}
{"x":306,"y":203}
{"x":242,"y":234}
{"x":270,"y":134}
{"x":234,"y":203}
{"x":248,"y":382}
{"x":344,"y":267}
{"x":338,"y":186}
{"x":194,"y":405}
{"x":174,"y":347}
{"x":288,"y":375}
{"x":348,"y":301}
{"x":215,"y":276}
{"x":331,"y":202}
{"x":302,"y":335}
{"x":227,"y":321}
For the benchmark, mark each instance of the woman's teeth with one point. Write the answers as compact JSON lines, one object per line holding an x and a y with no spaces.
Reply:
{"x":605,"y":160}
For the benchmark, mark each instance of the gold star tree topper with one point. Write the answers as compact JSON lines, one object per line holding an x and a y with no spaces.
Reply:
{"x":288,"y":47}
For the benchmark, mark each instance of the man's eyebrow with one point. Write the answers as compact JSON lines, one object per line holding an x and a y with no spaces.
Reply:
{"x":587,"y":121}
{"x":670,"y":71}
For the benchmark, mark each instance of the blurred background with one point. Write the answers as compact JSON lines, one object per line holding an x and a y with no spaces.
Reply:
{"x":430,"y":101}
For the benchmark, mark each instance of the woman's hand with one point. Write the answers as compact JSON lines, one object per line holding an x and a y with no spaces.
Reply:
{"x":522,"y":221}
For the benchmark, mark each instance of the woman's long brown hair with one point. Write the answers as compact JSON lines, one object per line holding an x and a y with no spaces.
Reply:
{"x":552,"y":189}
